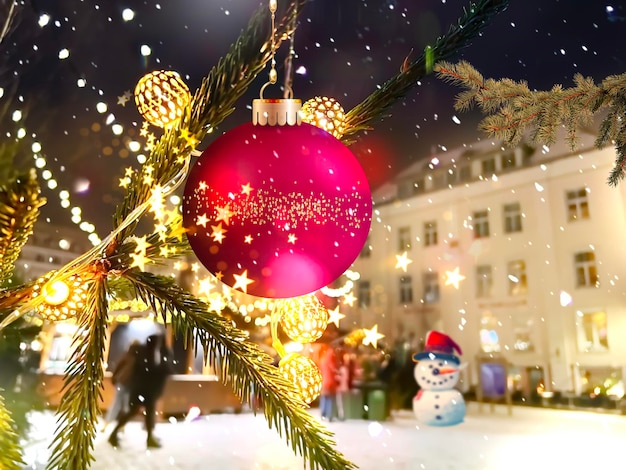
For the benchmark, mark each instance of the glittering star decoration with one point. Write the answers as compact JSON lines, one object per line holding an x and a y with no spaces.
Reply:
{"x":372,"y":336}
{"x":242,"y":281}
{"x":246,"y":189}
{"x":124,"y":98}
{"x":453,"y":278}
{"x":403,"y":261}
{"x":224,"y":213}
{"x":218,"y":233}
{"x":335,"y":316}
{"x":202,"y":220}
{"x":248,"y":239}
{"x":291,"y":238}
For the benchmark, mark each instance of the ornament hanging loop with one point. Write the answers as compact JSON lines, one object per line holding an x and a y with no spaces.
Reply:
{"x":276,"y":112}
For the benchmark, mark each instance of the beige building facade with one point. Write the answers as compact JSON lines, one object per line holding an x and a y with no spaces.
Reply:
{"x":537,"y":234}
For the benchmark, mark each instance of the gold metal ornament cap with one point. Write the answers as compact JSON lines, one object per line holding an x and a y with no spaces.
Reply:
{"x":276,"y":112}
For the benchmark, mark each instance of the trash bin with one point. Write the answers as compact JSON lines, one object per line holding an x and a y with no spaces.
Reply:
{"x":377,"y":405}
{"x":354,"y":408}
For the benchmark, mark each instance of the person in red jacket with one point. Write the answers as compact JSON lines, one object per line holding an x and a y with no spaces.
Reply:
{"x":328,"y":368}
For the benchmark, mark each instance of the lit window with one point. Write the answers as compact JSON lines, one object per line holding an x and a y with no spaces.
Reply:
{"x":512,"y":218}
{"x":577,"y":204}
{"x":481,"y":224}
{"x":507,"y":161}
{"x":431,"y":287}
{"x":406,"y":290}
{"x":404,"y":239}
{"x":517,"y":277}
{"x":430,"y":233}
{"x":522,"y":335}
{"x":592,"y":331}
{"x":489,"y":339}
{"x":586,"y":271}
{"x":488,"y":166}
{"x":484,"y":281}
{"x":364,"y":296}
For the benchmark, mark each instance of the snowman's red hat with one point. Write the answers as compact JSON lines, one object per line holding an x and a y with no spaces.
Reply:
{"x":439,"y":346}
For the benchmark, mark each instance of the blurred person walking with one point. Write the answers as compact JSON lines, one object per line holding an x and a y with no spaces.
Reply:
{"x":121,"y":379}
{"x":345,"y":376}
{"x":328,"y":369}
{"x":146,"y":387}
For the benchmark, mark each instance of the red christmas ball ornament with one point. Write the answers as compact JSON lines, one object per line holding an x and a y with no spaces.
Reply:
{"x":277,"y":209}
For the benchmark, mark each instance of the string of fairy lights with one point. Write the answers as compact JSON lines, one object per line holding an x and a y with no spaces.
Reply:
{"x":161,"y":98}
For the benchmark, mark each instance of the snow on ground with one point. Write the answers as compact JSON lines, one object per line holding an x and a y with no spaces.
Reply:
{"x":531,"y":438}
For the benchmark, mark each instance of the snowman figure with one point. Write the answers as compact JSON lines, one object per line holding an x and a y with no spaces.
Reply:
{"x":438,"y":403}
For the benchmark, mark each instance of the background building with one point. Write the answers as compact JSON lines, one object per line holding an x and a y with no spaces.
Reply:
{"x":537,"y":234}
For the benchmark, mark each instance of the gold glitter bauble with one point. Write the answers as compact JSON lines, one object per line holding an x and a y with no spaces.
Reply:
{"x":161,"y":97}
{"x":325,"y":113}
{"x":303,"y":319}
{"x":63,"y":299}
{"x":304,"y":374}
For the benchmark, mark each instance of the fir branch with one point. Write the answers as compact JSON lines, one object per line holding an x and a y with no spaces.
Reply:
{"x":243,"y":364}
{"x":210,"y":105}
{"x":511,"y":109}
{"x":377,"y":104}
{"x":20,"y":201}
{"x":11,"y":452}
{"x":13,"y":297}
{"x":72,"y":447}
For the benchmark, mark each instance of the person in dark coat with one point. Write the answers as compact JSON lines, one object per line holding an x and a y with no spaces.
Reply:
{"x":146,"y":386}
{"x":122,"y":376}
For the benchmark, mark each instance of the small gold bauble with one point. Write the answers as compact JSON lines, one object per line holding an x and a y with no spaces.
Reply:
{"x":325,"y":113}
{"x":62,"y":299}
{"x":161,"y":97}
{"x":304,"y":374}
{"x":303,"y":319}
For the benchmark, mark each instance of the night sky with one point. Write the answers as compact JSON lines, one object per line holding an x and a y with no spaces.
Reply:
{"x":345,"y":48}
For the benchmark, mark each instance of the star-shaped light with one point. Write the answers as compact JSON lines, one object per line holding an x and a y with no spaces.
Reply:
{"x":202,"y":186}
{"x":242,"y":281}
{"x":335,"y":316}
{"x":124,"y":182}
{"x":372,"y":336}
{"x":128,"y":172}
{"x":218,"y":233}
{"x":349,"y":299}
{"x":216,"y":304}
{"x":246,"y":189}
{"x":291,"y":238}
{"x":178,"y":232}
{"x":142,"y":244}
{"x":453,"y":278}
{"x":248,"y":239}
{"x":164,"y":251}
{"x":224,"y":213}
{"x":205,"y":286}
{"x":139,"y":261}
{"x":403,"y":261}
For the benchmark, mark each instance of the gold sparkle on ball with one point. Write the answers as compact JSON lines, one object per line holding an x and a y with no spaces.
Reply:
{"x":303,"y":319}
{"x":62,"y":299}
{"x":161,"y":97}
{"x":304,"y":374}
{"x":325,"y":113}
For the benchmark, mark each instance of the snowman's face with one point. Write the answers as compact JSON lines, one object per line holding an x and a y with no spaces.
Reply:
{"x":436,"y":374}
